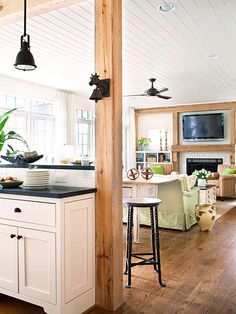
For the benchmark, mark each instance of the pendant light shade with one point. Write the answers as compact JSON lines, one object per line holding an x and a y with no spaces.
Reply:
{"x":24,"y":59}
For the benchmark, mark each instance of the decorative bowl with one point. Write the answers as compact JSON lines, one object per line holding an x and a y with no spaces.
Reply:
{"x":10,"y":184}
{"x":21,"y":160}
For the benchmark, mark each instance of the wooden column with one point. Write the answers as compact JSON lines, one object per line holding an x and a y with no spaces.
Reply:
{"x":232,"y":135}
{"x":108,"y":64}
{"x":175,"y":155}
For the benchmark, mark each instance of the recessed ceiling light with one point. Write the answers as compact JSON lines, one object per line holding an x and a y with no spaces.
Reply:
{"x":167,"y":7}
{"x":212,"y":55}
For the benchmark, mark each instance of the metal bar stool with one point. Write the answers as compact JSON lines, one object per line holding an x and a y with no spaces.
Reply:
{"x":155,"y":260}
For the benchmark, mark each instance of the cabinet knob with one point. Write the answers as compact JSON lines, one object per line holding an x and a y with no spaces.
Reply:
{"x":19,"y":237}
{"x":17,"y":210}
{"x":12,"y":236}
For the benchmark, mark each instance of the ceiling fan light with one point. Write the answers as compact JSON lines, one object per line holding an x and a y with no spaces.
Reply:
{"x":167,"y":7}
{"x":25,"y":59}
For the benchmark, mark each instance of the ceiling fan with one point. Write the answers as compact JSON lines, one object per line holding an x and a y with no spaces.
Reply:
{"x":152,"y":92}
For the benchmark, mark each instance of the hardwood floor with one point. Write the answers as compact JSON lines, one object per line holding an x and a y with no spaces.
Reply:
{"x":199,"y":269}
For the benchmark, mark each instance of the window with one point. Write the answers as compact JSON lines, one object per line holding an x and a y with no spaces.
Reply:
{"x":34,"y":120}
{"x":85,"y":132}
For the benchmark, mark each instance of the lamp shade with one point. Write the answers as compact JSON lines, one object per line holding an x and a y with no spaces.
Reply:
{"x":24,"y":59}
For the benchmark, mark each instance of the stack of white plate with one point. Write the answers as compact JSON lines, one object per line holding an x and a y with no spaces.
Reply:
{"x":36,"y":179}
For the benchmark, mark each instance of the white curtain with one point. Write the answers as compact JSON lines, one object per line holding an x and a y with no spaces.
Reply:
{"x":61,"y":125}
{"x":131,"y":144}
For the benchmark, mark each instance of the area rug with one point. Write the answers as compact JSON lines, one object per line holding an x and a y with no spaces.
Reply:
{"x":223,"y":207}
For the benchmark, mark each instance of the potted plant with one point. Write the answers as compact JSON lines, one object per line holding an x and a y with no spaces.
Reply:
{"x":202,"y":176}
{"x":11,"y":135}
{"x":143,"y":142}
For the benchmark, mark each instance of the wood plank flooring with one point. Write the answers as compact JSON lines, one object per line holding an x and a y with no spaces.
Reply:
{"x":199,"y":269}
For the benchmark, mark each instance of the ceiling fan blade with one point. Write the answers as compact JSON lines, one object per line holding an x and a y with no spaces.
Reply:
{"x":164,"y":97}
{"x":163,"y":90}
{"x":135,"y":95}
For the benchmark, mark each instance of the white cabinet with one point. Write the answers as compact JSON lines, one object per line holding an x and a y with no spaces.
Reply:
{"x":47,"y":250}
{"x":37,"y":265}
{"x":27,"y":263}
{"x":8,"y":258}
{"x":78,"y":254}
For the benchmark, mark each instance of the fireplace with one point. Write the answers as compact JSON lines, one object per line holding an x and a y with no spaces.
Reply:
{"x":209,"y":164}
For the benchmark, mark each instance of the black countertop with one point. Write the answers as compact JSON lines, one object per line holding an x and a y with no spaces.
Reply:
{"x":52,"y":191}
{"x":52,"y":166}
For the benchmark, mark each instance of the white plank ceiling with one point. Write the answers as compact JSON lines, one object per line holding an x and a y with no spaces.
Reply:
{"x":173,"y":47}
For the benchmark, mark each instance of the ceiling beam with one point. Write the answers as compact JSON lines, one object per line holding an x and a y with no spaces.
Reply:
{"x":11,"y":11}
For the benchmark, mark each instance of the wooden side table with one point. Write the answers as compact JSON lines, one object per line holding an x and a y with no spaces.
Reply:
{"x":208,"y":194}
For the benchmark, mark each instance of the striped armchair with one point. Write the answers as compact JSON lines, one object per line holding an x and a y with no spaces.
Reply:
{"x":225,"y":183}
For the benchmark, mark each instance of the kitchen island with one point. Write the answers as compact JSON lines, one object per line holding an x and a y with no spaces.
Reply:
{"x":47,"y":247}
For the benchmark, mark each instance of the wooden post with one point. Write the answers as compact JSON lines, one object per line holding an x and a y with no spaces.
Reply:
{"x":175,"y":155}
{"x":108,"y":64}
{"x":232,"y":135}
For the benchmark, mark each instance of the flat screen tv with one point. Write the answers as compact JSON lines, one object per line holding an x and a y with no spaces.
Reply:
{"x":203,"y":126}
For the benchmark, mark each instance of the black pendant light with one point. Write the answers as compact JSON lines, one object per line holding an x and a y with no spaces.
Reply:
{"x":24,"y":59}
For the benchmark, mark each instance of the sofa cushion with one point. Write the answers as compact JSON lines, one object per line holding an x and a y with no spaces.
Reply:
{"x":157,"y":169}
{"x":229,"y":171}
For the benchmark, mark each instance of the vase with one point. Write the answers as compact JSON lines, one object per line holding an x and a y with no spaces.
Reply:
{"x":205,"y":216}
{"x":201,"y":182}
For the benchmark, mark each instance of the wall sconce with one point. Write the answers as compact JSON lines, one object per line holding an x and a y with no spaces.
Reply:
{"x":102,"y":87}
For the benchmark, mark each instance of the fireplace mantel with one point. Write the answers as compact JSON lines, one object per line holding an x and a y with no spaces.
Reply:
{"x":203,"y":148}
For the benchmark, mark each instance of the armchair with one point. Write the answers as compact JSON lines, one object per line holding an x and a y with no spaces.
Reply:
{"x":225,"y":183}
{"x":177,"y":210}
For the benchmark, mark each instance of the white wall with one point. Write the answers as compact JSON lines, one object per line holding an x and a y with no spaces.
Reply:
{"x":10,"y":85}
{"x":63,"y":177}
{"x":155,"y":121}
{"x":65,"y":106}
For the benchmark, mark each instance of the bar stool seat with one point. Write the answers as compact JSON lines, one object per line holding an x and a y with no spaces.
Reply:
{"x":155,"y":260}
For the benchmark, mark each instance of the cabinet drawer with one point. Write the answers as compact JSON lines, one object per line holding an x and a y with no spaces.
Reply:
{"x":26,"y":211}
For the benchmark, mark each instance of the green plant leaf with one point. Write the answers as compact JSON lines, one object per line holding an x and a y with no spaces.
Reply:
{"x":11,"y":148}
{"x":4,"y":118}
{"x":12,"y":135}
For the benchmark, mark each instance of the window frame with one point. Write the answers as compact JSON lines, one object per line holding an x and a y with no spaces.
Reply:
{"x":90,"y":121}
{"x":28,"y":112}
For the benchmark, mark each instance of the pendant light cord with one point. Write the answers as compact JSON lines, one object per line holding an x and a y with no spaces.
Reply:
{"x":24,"y":18}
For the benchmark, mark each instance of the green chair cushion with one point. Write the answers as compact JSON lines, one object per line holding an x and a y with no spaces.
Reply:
{"x":229,"y":171}
{"x":157,"y":169}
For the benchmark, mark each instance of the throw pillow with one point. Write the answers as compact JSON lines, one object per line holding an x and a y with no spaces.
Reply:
{"x":229,"y":171}
{"x":157,"y":169}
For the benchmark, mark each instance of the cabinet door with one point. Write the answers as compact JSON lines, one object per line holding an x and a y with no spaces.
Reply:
{"x":79,"y":248}
{"x":37,"y":265}
{"x":8,"y":258}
